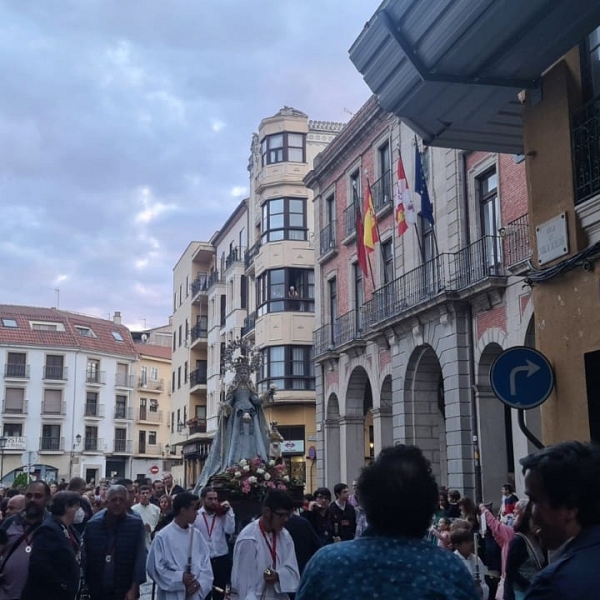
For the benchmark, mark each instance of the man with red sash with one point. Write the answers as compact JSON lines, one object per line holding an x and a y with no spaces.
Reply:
{"x":264,"y":561}
{"x":214,"y":522}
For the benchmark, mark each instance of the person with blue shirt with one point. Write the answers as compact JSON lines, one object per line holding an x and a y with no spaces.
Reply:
{"x":392,"y":559}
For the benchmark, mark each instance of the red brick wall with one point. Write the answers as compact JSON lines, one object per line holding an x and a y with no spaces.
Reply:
{"x":490,"y":319}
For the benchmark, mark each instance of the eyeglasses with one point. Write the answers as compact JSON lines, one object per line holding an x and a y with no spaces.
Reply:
{"x":281,"y":514}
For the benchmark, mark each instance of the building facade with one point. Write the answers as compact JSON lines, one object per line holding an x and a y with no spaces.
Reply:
{"x":68,"y":394}
{"x":403,"y":351}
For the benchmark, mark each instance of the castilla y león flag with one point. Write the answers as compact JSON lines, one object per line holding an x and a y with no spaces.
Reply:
{"x":402,"y":199}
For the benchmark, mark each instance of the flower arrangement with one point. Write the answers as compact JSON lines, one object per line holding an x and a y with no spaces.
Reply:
{"x":254,"y":477}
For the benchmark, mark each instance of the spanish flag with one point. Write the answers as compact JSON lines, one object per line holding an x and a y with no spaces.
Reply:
{"x":370,"y":235}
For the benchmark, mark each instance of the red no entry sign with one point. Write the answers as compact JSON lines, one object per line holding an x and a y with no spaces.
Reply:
{"x":154,"y":470}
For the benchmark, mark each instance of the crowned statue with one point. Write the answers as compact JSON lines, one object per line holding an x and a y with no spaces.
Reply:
{"x":242,"y":430}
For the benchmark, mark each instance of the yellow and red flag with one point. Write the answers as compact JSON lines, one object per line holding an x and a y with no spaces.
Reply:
{"x":370,"y":235}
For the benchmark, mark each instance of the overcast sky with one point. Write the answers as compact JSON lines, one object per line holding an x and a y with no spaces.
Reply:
{"x":125,"y":130}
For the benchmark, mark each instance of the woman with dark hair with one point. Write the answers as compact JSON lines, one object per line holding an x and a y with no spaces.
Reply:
{"x":391,"y":559}
{"x":166,"y":513}
{"x":525,"y":555}
{"x":469,"y":512}
{"x":54,"y":562}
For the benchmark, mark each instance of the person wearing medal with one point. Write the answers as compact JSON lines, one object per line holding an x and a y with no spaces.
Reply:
{"x":20,"y":528}
{"x":216,"y":520}
{"x":264,"y":560}
{"x":54,"y":562}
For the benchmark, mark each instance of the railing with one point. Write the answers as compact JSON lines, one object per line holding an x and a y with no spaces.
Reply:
{"x":348,"y":327}
{"x":236,"y":255}
{"x":16,"y":370}
{"x":52,"y":408}
{"x":145,"y":414}
{"x":95,"y":377}
{"x":94,"y":410}
{"x":214,"y":277}
{"x":327,"y":238}
{"x":52,"y":444}
{"x":585,"y":142}
{"x":55,"y":373}
{"x":350,"y":219}
{"x":196,"y":426}
{"x":251,"y":253}
{"x":92,"y":444}
{"x":515,"y":242}
{"x":381,"y":191}
{"x":324,"y":339}
{"x":124,"y":380}
{"x":200,"y":284}
{"x":476,"y":262}
{"x":155,"y":385}
{"x":249,"y":324}
{"x":146,"y":448}
{"x":14,"y":407}
{"x":199,"y":330}
{"x":198,"y":377}
{"x":124,"y":412}
{"x":123,"y":446}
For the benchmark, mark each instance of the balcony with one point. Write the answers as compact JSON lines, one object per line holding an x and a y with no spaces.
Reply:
{"x":349,"y":217}
{"x":381,"y":192}
{"x":151,"y":385}
{"x":198,"y":377}
{"x":94,"y":411}
{"x":149,"y":415}
{"x":53,"y":409}
{"x":52,"y":444}
{"x":123,"y":413}
{"x":55,"y":373}
{"x":123,"y":380}
{"x":249,"y":324}
{"x":348,"y":332}
{"x":585,"y":142}
{"x":515,"y":242}
{"x":324,"y":341}
{"x":151,"y":449}
{"x":93,"y":444}
{"x":123,"y":447}
{"x":236,"y":255}
{"x":196,"y":425}
{"x":14,"y":407}
{"x":199,"y":286}
{"x":93,"y":377}
{"x":215,"y":277}
{"x":251,"y":254}
{"x":199,"y":331}
{"x":16,"y":371}
{"x":327,"y":244}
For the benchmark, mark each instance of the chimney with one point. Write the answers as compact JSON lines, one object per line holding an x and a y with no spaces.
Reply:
{"x":117,"y":317}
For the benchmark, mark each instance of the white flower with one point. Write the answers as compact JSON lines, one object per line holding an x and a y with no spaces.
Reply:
{"x":237,"y":474}
{"x":271,"y":463}
{"x":243,"y":462}
{"x":267,"y":477}
{"x":286,"y":478}
{"x":246,"y":468}
{"x":252,"y":479}
{"x":260,"y":471}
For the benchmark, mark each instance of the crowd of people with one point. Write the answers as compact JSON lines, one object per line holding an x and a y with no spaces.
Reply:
{"x":376,"y":541}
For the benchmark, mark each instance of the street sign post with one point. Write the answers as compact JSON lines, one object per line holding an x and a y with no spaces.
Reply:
{"x":522,"y":377}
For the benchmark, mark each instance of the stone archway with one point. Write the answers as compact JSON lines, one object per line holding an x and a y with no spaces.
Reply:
{"x":332,"y":441}
{"x":425,"y":413}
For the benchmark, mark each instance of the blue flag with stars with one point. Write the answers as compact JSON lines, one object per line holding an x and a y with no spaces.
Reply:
{"x":421,"y":188}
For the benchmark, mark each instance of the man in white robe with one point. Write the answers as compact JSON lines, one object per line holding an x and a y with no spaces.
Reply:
{"x":264,"y":561}
{"x":179,"y":558}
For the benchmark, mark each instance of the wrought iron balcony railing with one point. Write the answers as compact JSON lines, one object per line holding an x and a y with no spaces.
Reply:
{"x":381,"y":191}
{"x":236,"y":255}
{"x":198,"y":377}
{"x":146,"y":414}
{"x":249,"y":324}
{"x":350,"y":219}
{"x":54,"y":408}
{"x":95,"y":377}
{"x":124,"y":380}
{"x":251,"y":254}
{"x":515,"y":241}
{"x":327,"y":239}
{"x":14,"y":407}
{"x":123,"y":446}
{"x":94,"y":410}
{"x":16,"y":370}
{"x":199,"y":330}
{"x":52,"y":444}
{"x":124,"y":412}
{"x":585,"y":146}
{"x":200,"y":284}
{"x":55,"y":373}
{"x":93,"y":444}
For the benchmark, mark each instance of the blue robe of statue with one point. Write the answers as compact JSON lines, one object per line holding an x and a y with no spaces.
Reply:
{"x":242,"y":434}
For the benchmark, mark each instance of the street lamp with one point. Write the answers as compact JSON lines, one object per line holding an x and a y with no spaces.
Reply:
{"x":3,"y":440}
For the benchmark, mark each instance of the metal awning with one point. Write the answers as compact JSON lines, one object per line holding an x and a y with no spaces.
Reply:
{"x":452,"y":69}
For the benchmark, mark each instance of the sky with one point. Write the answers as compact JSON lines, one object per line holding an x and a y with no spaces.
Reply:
{"x":125,"y":131}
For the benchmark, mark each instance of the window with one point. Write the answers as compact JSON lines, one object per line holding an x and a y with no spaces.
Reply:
{"x":243,"y":292}
{"x":153,"y":405}
{"x":9,"y":323}
{"x":174,"y":341}
{"x":93,"y":371}
{"x":16,"y":365}
{"x":185,"y":372}
{"x":284,"y":219}
{"x":92,"y":408}
{"x":223,"y":309}
{"x":46,"y":326}
{"x":143,"y":375}
{"x":487,"y":185}
{"x":172,"y":422}
{"x":287,"y":368}
{"x":54,"y":367}
{"x":281,"y":290}
{"x":173,"y":381}
{"x":13,"y":429}
{"x":52,"y":404}
{"x":283,"y":147}
{"x":153,"y":374}
{"x":333,"y":314}
{"x":121,"y":407}
{"x":590,"y":59}
{"x":118,"y":337}
{"x":14,"y":400}
{"x":152,"y":438}
{"x":121,"y":440}
{"x":180,"y":335}
{"x":200,"y":412}
{"x":50,"y":437}
{"x":187,"y":286}
{"x":387,"y":253}
{"x":178,"y":377}
{"x":85,"y":331}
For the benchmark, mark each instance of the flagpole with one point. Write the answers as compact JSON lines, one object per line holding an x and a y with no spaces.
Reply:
{"x":376,"y":227}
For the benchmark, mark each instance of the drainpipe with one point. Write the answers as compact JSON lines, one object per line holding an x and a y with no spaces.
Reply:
{"x":72,"y":455}
{"x":471,"y":347}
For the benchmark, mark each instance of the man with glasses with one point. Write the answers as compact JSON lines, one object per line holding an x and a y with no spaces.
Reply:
{"x":319,"y":517}
{"x":20,"y":528}
{"x":264,"y":561}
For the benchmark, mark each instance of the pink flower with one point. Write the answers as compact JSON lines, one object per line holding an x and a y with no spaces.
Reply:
{"x":271,"y":485}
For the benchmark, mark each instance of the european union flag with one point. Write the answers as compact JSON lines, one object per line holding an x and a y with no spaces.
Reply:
{"x":421,"y":188}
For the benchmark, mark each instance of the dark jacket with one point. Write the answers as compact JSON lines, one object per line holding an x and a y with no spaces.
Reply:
{"x":53,"y":565}
{"x":125,"y":542}
{"x":306,"y":541}
{"x":344,"y":521}
{"x":574,"y":574}
{"x":321,"y":524}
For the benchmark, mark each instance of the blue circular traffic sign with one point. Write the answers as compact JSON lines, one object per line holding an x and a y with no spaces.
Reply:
{"x":522,"y":377}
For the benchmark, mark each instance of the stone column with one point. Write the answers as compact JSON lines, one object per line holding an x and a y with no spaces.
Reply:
{"x":352,"y":447}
